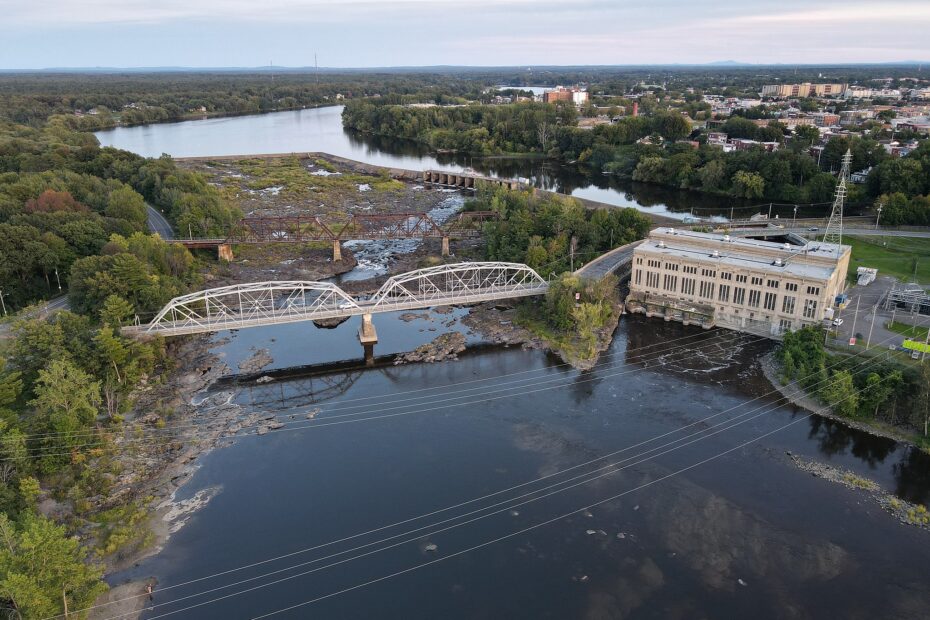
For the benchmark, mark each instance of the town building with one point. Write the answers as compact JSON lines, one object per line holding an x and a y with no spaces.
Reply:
{"x":575,"y":95}
{"x":744,"y":284}
{"x":784,"y":91}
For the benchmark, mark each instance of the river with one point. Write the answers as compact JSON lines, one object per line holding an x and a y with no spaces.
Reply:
{"x":744,"y":534}
{"x":321,"y":130}
{"x":367,"y":495}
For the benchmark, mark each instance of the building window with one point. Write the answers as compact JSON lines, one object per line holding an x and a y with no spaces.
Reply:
{"x":756,"y":281}
{"x":810,"y":309}
{"x":708,"y":273}
{"x":784,"y":325}
{"x":741,"y":279}
{"x":707,"y":290}
{"x":787,"y":305}
{"x":670,"y":283}
{"x":671,"y":266}
{"x":652,"y":279}
{"x":687,"y":286}
{"x":690,"y":269}
{"x":724,"y":293}
{"x":754,"y":297}
{"x":739,"y":296}
{"x":638,"y":277}
{"x":772,"y":283}
{"x":813,"y":290}
{"x":639,"y":260}
{"x":654,"y":263}
{"x":770,"y":301}
{"x":726,"y":275}
{"x":791,"y":286}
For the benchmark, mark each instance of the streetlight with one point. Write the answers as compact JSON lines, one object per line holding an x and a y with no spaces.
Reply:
{"x":58,"y":279}
{"x":794,"y":220}
{"x":879,"y":216}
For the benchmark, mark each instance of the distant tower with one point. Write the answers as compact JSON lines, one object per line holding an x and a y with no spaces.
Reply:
{"x":834,"y":232}
{"x":635,"y":108}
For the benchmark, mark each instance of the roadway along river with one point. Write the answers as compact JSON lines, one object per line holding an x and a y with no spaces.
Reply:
{"x":320,"y":129}
{"x":744,"y":535}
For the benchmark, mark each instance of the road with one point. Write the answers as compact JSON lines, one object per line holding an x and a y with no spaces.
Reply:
{"x":158,"y":223}
{"x":608,"y":262}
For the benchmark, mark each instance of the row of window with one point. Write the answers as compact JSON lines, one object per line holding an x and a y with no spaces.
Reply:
{"x":707,"y":289}
{"x":728,"y":276}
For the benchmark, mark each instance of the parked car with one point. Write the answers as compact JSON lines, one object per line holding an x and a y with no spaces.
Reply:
{"x":837,"y":322}
{"x":813,"y":229}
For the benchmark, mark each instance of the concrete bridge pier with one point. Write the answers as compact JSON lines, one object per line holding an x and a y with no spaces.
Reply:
{"x":368,"y":336}
{"x":337,"y":250}
{"x":224,"y":252}
{"x":445,"y":246}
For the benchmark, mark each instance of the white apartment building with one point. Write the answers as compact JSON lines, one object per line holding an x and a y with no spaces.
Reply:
{"x":744,"y":284}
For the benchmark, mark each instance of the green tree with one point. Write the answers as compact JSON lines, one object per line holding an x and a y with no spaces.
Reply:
{"x":65,"y":405}
{"x":748,"y":184}
{"x":840,"y":393}
{"x":42,"y":569}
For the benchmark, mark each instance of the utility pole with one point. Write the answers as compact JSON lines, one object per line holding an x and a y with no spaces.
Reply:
{"x":879,"y":216}
{"x":855,"y":317}
{"x":923,"y":356}
{"x":794,"y":219}
{"x":58,"y":279}
{"x":770,"y":210}
{"x":874,"y":312}
{"x":2,"y":304}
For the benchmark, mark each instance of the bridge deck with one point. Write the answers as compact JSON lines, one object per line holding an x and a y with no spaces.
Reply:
{"x":272,"y":316}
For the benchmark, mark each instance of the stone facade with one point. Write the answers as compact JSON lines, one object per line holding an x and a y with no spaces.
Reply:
{"x":748,"y":285}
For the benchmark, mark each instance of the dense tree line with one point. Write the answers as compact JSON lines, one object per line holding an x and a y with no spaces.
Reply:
{"x":136,"y":98}
{"x":539,"y":229}
{"x":74,"y":213}
{"x":887,"y":391}
{"x":62,"y":198}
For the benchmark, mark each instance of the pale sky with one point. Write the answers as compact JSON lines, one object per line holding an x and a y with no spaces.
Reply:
{"x":364,"y":33}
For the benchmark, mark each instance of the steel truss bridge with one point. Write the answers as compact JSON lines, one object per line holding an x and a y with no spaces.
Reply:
{"x":276,"y":302}
{"x":359,"y":227}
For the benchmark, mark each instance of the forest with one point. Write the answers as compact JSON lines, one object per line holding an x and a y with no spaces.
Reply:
{"x":73,"y":217}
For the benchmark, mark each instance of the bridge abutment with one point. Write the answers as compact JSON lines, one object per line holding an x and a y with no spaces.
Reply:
{"x":224,"y":252}
{"x":445,"y":246}
{"x":337,"y":250}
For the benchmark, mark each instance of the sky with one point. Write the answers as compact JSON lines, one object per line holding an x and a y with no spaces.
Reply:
{"x":37,"y":34}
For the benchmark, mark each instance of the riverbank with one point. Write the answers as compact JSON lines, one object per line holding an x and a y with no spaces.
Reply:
{"x":905,"y":512}
{"x":796,"y":396}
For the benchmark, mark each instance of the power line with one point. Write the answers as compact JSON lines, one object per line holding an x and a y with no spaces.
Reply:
{"x":459,"y":525}
{"x":296,"y":427}
{"x":462,"y":504}
{"x":336,"y":405}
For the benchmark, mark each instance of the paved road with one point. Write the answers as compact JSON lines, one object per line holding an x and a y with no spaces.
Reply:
{"x":869,"y":232}
{"x":608,"y":262}
{"x":158,"y":223}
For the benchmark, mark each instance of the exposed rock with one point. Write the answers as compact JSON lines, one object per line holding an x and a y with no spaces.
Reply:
{"x":413,"y":316}
{"x":259,"y":360}
{"x":445,"y":346}
{"x":331,"y":323}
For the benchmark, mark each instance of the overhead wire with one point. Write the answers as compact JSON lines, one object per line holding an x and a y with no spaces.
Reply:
{"x":469,"y":502}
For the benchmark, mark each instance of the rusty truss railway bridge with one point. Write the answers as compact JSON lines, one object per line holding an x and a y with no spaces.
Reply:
{"x":355,"y":227}
{"x":259,"y":304}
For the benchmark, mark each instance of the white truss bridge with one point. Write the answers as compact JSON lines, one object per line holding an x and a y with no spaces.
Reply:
{"x":277,"y":302}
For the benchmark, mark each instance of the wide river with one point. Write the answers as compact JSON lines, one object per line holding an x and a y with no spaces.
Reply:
{"x":321,"y":130}
{"x":507,"y":485}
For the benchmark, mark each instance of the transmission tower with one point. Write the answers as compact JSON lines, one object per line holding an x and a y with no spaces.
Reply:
{"x":834,"y":232}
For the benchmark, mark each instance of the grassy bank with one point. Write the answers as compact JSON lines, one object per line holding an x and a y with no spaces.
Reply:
{"x":900,"y":257}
